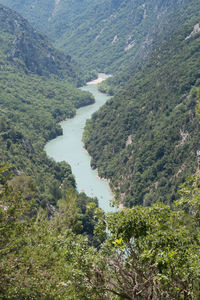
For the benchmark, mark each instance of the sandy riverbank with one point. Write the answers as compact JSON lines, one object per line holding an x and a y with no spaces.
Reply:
{"x":101,"y":77}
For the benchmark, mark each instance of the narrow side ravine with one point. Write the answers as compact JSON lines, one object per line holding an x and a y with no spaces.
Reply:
{"x":69,"y":147}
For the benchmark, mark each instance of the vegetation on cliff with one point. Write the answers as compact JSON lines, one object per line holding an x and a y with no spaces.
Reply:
{"x":146,"y":137}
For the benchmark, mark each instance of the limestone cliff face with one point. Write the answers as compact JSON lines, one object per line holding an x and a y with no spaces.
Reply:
{"x":30,"y":50}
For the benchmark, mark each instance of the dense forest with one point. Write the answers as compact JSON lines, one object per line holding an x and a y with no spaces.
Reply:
{"x":146,"y":137}
{"x":56,"y":243}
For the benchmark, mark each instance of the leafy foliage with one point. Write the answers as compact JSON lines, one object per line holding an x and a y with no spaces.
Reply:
{"x":150,"y":252}
{"x":33,"y":248}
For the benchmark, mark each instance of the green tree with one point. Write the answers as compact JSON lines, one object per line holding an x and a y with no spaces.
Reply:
{"x":151,"y":253}
{"x":33,"y":251}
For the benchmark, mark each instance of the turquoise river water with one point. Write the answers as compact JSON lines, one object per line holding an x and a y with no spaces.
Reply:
{"x":69,"y":148}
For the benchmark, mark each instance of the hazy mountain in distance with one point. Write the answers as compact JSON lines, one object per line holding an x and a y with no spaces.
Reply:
{"x":103,"y":35}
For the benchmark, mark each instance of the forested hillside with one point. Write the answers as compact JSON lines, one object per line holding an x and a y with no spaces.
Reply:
{"x":105,"y":35}
{"x":31,"y":105}
{"x":146,"y":137}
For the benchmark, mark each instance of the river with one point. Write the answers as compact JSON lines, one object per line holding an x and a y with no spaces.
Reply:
{"x":69,"y":148}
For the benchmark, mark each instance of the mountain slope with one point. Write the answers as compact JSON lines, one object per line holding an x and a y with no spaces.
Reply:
{"x":146,"y":137}
{"x":104,"y":35}
{"x":31,"y":105}
{"x":31,"y":51}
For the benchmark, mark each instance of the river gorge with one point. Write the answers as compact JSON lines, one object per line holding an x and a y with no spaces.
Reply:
{"x":69,"y":147}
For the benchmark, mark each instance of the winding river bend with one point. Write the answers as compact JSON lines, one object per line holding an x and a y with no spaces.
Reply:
{"x":69,"y":148}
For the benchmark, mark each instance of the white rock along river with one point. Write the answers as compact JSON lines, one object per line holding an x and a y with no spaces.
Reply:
{"x":69,"y":148}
